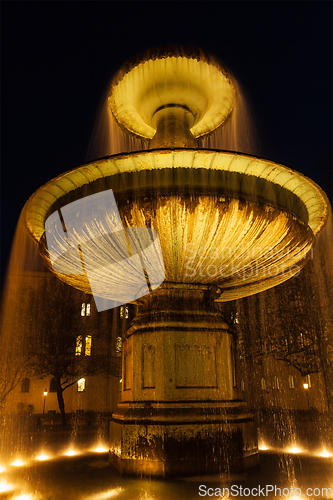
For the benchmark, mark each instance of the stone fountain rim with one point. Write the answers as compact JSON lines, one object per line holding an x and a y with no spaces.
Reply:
{"x":39,"y":204}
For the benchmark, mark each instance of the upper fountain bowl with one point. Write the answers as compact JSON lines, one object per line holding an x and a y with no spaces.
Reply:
{"x":184,"y":78}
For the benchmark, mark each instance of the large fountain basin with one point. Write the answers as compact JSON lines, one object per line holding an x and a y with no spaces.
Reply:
{"x":240,"y":222}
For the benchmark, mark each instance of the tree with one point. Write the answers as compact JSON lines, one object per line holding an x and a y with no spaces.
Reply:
{"x":13,"y":367}
{"x":290,"y":323}
{"x":63,"y":338}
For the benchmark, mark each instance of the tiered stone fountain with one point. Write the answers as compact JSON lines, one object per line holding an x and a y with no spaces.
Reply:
{"x":221,"y":225}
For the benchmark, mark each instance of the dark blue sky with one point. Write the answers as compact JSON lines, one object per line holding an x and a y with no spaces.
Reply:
{"x":57,"y":58}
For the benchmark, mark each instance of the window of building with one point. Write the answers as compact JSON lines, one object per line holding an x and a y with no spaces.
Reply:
{"x":119,"y":346}
{"x":81,"y":385}
{"x":263,"y":384}
{"x":25,"y":385}
{"x":124,"y":312}
{"x":85,"y":309}
{"x":276,"y":383}
{"x":78,"y":347}
{"x":242,"y":385}
{"x":53,"y":385}
{"x":87,"y":347}
{"x":308,"y":380}
{"x":291,"y":382}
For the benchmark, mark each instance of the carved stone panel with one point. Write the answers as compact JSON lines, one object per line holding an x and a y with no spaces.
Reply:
{"x":195,"y":366}
{"x":128,"y":370}
{"x":148,"y":364}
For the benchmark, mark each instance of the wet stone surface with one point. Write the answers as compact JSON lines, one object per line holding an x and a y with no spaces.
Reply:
{"x":90,"y":477}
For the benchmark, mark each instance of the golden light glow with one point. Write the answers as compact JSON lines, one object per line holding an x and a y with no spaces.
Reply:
{"x":294,"y":449}
{"x":306,"y":386}
{"x":324,"y":453}
{"x":2,"y":468}
{"x":4,"y":486}
{"x":105,"y":495}
{"x":43,"y":456}
{"x":71,"y":453}
{"x":100,"y":449}
{"x":263,"y":447}
{"x":18,"y":462}
{"x":192,"y":80}
{"x":23,"y":496}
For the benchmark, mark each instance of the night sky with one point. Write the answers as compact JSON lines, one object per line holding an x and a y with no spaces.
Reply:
{"x":57,"y":58}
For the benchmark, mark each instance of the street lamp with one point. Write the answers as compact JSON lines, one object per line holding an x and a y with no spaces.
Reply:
{"x":306,"y":387}
{"x":45,"y":394}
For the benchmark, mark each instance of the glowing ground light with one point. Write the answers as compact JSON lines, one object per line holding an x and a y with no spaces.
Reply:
{"x":23,"y":496}
{"x":100,"y":449}
{"x":2,"y":468}
{"x":70,"y":453}
{"x":4,"y":486}
{"x":325,"y":454}
{"x":293,"y":449}
{"x":263,"y":447}
{"x":42,"y":456}
{"x":18,"y":463}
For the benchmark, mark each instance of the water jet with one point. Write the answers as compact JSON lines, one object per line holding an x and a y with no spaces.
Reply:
{"x":221,"y":226}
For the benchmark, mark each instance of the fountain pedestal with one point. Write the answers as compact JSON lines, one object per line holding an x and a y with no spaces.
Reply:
{"x":180,"y":412}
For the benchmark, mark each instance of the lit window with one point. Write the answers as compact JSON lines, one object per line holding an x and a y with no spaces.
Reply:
{"x":242,"y":385}
{"x":78,"y":347}
{"x":81,"y":385}
{"x":85,"y":309}
{"x":25,"y":385}
{"x":124,"y":312}
{"x":119,"y":345}
{"x":308,"y":380}
{"x":263,"y":384}
{"x":291,"y":382}
{"x":87,"y":347}
{"x":276,"y":383}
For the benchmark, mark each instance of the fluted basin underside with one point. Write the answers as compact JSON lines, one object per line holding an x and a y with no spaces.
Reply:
{"x":236,"y":221}
{"x":243,"y":246}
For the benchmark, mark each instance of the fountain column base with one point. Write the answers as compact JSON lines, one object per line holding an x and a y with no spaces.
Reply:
{"x":162,"y":440}
{"x":180,"y":412}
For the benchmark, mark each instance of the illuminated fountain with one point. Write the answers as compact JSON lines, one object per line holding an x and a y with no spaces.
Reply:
{"x":222,"y":226}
